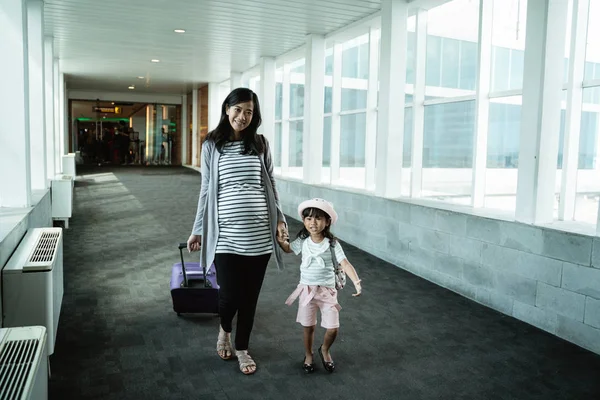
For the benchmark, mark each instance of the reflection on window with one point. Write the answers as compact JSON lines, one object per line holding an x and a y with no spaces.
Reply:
{"x":328,"y":100}
{"x":295,"y":155}
{"x":504,"y":132}
{"x":278,"y":100}
{"x":296,"y":100}
{"x":448,"y":135}
{"x":277,"y":145}
{"x":451,"y":51}
{"x":352,"y":141}
{"x":354,"y":99}
{"x":327,"y":141}
{"x":508,"y":44}
{"x":408,"y":127}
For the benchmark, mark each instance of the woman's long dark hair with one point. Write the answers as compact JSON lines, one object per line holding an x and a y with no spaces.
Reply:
{"x":223,"y":132}
{"x":316,"y":213}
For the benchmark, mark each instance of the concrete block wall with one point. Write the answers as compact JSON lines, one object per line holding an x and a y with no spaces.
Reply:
{"x":547,"y":278}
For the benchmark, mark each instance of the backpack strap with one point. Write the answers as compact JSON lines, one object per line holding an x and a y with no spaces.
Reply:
{"x":333,"y":258}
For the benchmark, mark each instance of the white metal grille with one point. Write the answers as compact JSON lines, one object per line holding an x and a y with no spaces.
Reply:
{"x":16,"y":361}
{"x":45,"y":248}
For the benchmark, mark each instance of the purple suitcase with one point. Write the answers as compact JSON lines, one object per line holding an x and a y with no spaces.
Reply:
{"x":191,"y":293}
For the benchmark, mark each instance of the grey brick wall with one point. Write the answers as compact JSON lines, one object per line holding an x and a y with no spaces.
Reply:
{"x":547,"y":278}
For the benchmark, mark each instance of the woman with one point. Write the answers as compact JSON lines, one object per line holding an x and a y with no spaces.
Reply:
{"x":238,"y":218}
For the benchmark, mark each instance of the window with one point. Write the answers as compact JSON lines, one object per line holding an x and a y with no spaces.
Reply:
{"x":295,"y":150}
{"x":352,"y":141}
{"x":451,"y":55}
{"x":448,"y":151}
{"x":508,"y":44}
{"x":327,"y":142}
{"x":277,"y":145}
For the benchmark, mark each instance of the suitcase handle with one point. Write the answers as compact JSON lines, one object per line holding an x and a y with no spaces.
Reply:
{"x":185,"y":279}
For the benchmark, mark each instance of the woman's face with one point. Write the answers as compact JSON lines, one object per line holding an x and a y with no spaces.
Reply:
{"x":240,"y":115}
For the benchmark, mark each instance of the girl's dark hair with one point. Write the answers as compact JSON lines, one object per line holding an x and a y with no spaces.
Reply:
{"x":253,"y":144}
{"x":316,"y":213}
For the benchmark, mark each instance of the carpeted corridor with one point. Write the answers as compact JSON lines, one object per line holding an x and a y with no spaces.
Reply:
{"x":405,"y":338}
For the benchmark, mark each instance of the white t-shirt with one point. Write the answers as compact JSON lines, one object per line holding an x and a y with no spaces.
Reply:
{"x":317,"y":266}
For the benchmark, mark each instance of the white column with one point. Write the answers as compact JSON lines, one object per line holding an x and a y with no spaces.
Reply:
{"x":195,"y":104}
{"x":416,"y":168}
{"x":482,"y":102}
{"x":57,"y":117}
{"x":49,"y":106}
{"x":214,"y":106}
{"x":568,"y":191}
{"x":314,"y":100}
{"x":267,"y":101}
{"x":336,"y":108}
{"x":285,"y":123}
{"x":540,"y":113}
{"x":391,"y":93}
{"x":15,"y":178}
{"x":370,"y":140}
{"x":236,"y":80}
{"x":37,"y":117}
{"x":185,"y":132}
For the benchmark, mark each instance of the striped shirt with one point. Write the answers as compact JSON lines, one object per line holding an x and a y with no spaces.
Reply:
{"x":244,"y":227}
{"x":317,"y":265}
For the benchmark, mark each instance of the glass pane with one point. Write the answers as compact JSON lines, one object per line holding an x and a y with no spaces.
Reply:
{"x":503,"y":153}
{"x":352,"y":140}
{"x":508,"y":44}
{"x":592,"y":49}
{"x":296,"y":100}
{"x":355,"y":58}
{"x":295,"y":151}
{"x":588,"y":184}
{"x":277,"y":145}
{"x":407,"y":146}
{"x":354,"y":99}
{"x":328,"y":99}
{"x":327,"y":141}
{"x":448,"y":151}
{"x":329,"y":62}
{"x":411,"y":41}
{"x":278,"y":100}
{"x":451,"y":59}
{"x":504,"y":132}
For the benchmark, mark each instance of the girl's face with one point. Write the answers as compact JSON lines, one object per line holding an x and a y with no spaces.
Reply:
{"x":315,"y":224}
{"x":240,"y":115}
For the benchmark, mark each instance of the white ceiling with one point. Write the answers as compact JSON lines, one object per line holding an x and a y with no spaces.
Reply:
{"x":105,"y":45}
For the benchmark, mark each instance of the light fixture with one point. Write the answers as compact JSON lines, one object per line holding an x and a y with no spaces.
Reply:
{"x":113,"y":103}
{"x":179,"y":31}
{"x":131,"y":87}
{"x":155,"y":60}
{"x":140,"y":77}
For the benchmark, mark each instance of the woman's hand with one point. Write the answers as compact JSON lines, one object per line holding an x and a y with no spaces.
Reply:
{"x":282,"y":232}
{"x":193,"y":243}
{"x":358,"y":288}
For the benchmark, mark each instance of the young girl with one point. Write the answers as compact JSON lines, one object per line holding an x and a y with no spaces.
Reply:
{"x":317,"y":278}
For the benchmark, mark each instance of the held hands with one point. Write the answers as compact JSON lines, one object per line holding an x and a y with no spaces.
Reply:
{"x":282,"y":233}
{"x":193,"y":243}
{"x":358,"y":288}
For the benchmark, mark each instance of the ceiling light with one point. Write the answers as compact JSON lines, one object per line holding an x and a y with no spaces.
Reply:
{"x":179,"y":31}
{"x":155,"y":60}
{"x":131,"y":87}
{"x":140,"y":77}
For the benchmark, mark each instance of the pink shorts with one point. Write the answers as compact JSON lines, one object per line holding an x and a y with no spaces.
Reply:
{"x":313,"y":298}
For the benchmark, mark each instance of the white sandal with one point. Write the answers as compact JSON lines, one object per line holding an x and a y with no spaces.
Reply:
{"x":224,"y":345}
{"x":245,"y":361}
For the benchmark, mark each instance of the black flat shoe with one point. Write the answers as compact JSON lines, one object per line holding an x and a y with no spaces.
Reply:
{"x":328,"y":365}
{"x":308,"y":368}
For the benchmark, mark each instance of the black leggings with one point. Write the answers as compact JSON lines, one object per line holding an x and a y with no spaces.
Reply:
{"x":240,"y":279}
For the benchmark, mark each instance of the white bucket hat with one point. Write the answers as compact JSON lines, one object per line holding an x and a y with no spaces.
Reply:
{"x":322,"y":205}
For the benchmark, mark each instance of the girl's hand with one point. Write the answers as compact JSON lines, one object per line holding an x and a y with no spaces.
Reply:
{"x":358,"y":289}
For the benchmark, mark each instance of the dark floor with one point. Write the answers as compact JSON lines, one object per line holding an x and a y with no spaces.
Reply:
{"x":405,"y":338}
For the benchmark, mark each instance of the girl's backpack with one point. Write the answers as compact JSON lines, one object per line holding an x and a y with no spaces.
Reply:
{"x":340,"y":275}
